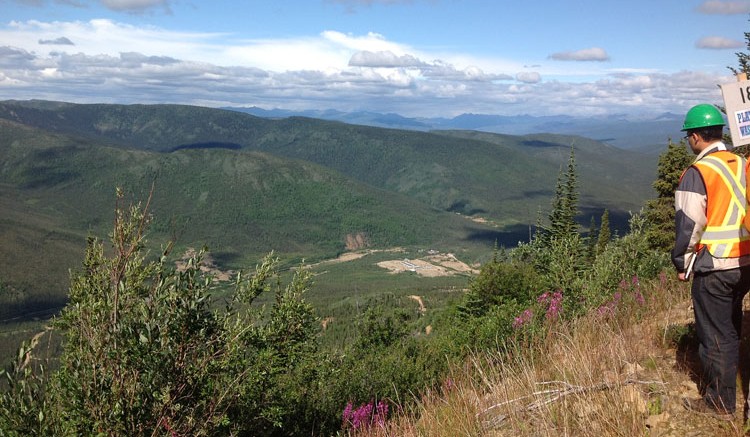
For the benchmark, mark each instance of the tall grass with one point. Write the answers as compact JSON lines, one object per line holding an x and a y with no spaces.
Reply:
{"x":617,"y":374}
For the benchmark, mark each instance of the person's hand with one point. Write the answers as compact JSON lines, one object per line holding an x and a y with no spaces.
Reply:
{"x":681,"y":277}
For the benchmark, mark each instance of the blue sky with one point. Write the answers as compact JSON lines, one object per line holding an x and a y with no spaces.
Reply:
{"x":431,"y":58}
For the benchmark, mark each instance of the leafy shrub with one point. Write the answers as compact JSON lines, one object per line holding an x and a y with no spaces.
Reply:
{"x":146,"y":354}
{"x":623,"y":259}
{"x":500,"y":283}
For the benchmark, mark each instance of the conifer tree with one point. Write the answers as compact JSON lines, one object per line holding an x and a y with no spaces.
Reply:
{"x":604,"y":233}
{"x":591,"y":240}
{"x":659,"y":212}
{"x":565,"y":204}
{"x":743,"y":59}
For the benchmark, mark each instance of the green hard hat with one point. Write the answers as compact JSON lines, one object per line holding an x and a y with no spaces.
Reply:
{"x":703,"y":115}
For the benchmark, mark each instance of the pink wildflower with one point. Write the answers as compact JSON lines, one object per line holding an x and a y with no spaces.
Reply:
{"x":364,"y":416}
{"x":555,"y":305}
{"x":663,"y":279}
{"x":381,"y":413}
{"x":524,"y":318}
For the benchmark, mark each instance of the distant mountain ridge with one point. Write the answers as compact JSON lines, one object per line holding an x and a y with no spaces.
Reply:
{"x":618,"y":130}
{"x":442,"y":168}
{"x":303,"y":187}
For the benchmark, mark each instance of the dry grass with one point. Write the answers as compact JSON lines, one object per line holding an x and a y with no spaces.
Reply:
{"x":620,"y":376}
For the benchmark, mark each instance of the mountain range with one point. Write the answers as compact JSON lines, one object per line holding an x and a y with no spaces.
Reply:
{"x":646,"y":134}
{"x":303,"y":187}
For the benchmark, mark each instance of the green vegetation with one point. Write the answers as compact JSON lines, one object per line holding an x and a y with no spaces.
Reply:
{"x":148,"y":348}
{"x":492,"y":175}
{"x":300,"y":187}
{"x":660,"y":211}
{"x":144,"y":354}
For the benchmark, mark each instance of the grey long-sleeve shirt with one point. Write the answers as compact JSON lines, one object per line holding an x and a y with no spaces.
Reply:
{"x":690,"y":222}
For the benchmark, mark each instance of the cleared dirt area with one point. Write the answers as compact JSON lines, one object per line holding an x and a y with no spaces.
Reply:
{"x":433,"y":265}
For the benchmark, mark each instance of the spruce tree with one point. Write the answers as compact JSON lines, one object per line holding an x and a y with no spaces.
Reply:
{"x":591,"y":240}
{"x":604,"y":233}
{"x":743,"y":59}
{"x":565,"y":204}
{"x":659,"y":212}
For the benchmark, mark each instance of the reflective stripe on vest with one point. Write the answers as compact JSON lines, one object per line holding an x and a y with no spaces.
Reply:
{"x":725,"y":235}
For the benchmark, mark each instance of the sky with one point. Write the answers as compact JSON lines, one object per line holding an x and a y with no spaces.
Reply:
{"x":417,"y":58}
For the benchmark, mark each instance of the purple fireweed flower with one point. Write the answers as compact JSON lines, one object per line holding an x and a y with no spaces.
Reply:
{"x":639,"y":297}
{"x":604,"y":310}
{"x":555,"y":305}
{"x":381,"y":413}
{"x":364,"y":416}
{"x":663,"y":279}
{"x":347,"y":415}
{"x":610,"y":307}
{"x":524,"y":318}
{"x":637,"y":291}
{"x":448,"y":384}
{"x":553,"y":302}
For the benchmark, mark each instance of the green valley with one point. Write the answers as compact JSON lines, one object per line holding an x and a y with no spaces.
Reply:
{"x":304,"y":188}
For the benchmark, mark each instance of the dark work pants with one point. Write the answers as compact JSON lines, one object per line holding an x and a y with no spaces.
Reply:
{"x":717,"y":301}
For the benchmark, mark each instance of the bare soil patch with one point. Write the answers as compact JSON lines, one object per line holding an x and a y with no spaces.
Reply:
{"x":418,"y":299}
{"x":433,"y":265}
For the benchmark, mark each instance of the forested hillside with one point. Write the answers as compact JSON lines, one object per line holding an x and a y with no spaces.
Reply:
{"x":244,"y":185}
{"x":422,"y":211}
{"x":497,"y":175}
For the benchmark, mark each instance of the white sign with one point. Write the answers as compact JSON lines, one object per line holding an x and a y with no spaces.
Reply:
{"x":737,"y":102}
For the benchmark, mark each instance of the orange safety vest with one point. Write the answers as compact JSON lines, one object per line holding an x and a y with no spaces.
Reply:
{"x":726,"y":235}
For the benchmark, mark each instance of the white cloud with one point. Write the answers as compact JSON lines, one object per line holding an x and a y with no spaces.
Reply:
{"x":373,"y":42}
{"x":137,"y":78}
{"x":529,"y":77}
{"x":103,"y":36}
{"x":591,"y":54}
{"x":14,"y":58}
{"x":57,"y":41}
{"x":724,"y":7}
{"x":718,"y":42}
{"x":383,"y":59}
{"x":117,"y":63}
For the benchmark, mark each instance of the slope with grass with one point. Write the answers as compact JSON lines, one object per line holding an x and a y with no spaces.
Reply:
{"x":626,"y":372}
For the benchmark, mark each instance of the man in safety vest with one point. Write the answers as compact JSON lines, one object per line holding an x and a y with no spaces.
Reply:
{"x":713,"y":246}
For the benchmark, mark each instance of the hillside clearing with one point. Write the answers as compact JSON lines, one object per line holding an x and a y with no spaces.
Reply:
{"x":436,"y":264}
